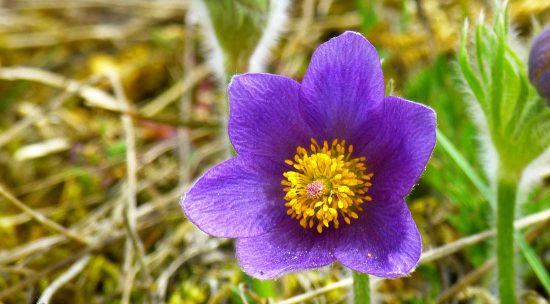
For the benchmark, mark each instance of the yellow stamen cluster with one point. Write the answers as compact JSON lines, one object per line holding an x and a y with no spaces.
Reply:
{"x":325,"y":185}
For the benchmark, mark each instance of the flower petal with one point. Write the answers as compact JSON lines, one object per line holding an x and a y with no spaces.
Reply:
{"x":237,"y":198}
{"x":342,"y":85}
{"x":383,"y":242}
{"x":397,"y":144}
{"x":264,"y":118}
{"x":289,"y":247}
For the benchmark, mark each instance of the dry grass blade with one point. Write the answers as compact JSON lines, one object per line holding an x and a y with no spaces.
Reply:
{"x":99,"y":98}
{"x":96,"y":32}
{"x":130,"y":216}
{"x":74,"y":270}
{"x":93,"y":96}
{"x":317,"y":292}
{"x":42,"y":219}
{"x":47,"y":271}
{"x":476,"y":274}
{"x":21,"y":125}
{"x":482,"y":294}
{"x":467,"y":281}
{"x":176,"y":91}
{"x":164,"y":277}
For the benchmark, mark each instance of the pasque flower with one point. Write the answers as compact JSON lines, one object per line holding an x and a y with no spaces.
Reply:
{"x":539,"y":63}
{"x":322,"y":168}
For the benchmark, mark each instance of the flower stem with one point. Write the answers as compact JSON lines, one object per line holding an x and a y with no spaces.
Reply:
{"x":506,"y":195}
{"x":361,"y":288}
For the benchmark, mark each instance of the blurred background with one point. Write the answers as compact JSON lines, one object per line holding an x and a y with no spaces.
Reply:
{"x":109,"y":110}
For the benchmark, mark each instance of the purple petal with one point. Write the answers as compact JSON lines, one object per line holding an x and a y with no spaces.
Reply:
{"x":289,"y":247}
{"x":264,"y":116}
{"x":342,"y":86}
{"x":543,"y":84}
{"x":397,"y":144}
{"x":539,"y":63}
{"x":237,"y":198}
{"x":383,"y":242}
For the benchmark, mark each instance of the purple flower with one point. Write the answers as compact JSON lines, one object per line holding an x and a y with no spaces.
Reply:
{"x":539,"y":63}
{"x":322,"y":168}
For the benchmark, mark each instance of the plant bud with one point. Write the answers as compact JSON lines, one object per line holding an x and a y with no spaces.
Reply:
{"x":539,"y":63}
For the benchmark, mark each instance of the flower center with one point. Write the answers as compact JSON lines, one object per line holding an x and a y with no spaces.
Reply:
{"x":315,"y":189}
{"x":326,"y":185}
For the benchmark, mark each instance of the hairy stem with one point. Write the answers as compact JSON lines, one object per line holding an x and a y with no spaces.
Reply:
{"x":361,"y":288}
{"x":506,"y":194}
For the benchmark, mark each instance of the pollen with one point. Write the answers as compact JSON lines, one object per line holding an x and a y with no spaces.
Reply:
{"x":326,"y":186}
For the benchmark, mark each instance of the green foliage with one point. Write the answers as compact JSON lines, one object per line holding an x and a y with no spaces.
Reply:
{"x":10,"y":94}
{"x":512,"y":114}
{"x":367,"y":12}
{"x":238,"y":26}
{"x":436,"y":86}
{"x":116,"y":150}
{"x":188,"y":292}
{"x":446,"y":144}
{"x":238,"y":297}
{"x":534,"y":261}
{"x":103,"y":274}
{"x":515,"y":118}
{"x":361,"y":288}
{"x":527,"y":251}
{"x":262,"y":288}
{"x":454,"y":176}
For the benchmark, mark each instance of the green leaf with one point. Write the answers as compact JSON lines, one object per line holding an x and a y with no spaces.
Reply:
{"x":526,"y":250}
{"x":261,"y":288}
{"x":238,"y":26}
{"x":239,"y":33}
{"x":534,"y":261}
{"x":511,"y":110}
{"x":496,"y":87}
{"x":466,"y":69}
{"x":367,"y":12}
{"x":361,"y":288}
{"x":481,"y":48}
{"x":478,"y":182}
{"x":116,"y":150}
{"x":238,"y":297}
